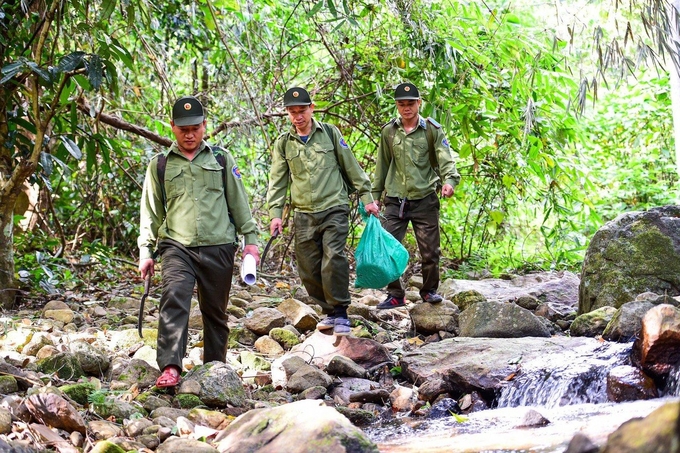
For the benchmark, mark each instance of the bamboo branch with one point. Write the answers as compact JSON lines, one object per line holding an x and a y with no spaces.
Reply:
{"x":251,"y":98}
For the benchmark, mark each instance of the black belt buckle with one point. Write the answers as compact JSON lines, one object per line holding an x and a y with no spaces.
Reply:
{"x":402,"y":208}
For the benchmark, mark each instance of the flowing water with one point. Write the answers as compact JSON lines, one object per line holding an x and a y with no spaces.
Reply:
{"x":567,"y":389}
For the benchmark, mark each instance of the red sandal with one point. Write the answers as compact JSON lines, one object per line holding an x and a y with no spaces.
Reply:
{"x":170,"y":377}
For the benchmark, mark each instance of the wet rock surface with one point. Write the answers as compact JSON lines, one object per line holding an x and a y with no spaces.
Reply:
{"x":70,"y":382}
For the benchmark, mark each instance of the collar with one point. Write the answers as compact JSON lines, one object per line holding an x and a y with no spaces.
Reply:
{"x":421,"y":122}
{"x":175,"y":149}
{"x":315,"y":125}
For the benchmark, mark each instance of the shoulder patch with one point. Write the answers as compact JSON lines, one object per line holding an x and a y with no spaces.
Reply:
{"x":343,"y":143}
{"x":236,"y":172}
{"x":445,"y":142}
{"x":433,"y":122}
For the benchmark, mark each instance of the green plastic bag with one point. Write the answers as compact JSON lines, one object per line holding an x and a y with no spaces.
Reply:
{"x":380,"y":258}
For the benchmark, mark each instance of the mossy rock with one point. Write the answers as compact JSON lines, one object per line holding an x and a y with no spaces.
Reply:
{"x":188,"y":401}
{"x":284,"y":337}
{"x":235,"y":311}
{"x":65,"y":365}
{"x":241,"y":336}
{"x":79,"y":392}
{"x":635,"y":253}
{"x":8,"y":384}
{"x":105,"y":446}
{"x":466,"y":298}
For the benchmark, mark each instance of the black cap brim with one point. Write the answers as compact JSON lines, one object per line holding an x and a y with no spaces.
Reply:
{"x":188,"y":121}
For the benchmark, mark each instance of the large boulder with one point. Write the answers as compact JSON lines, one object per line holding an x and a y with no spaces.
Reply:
{"x":559,"y":290}
{"x":657,"y":432}
{"x":634,"y":253}
{"x":500,"y":320}
{"x":306,"y":426}
{"x":658,"y":347}
{"x":564,"y":365}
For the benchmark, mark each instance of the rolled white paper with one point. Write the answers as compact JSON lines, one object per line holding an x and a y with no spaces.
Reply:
{"x":248,"y":269}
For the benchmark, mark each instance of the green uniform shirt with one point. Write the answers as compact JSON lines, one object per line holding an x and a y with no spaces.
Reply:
{"x":196,"y":213}
{"x":405,"y":171}
{"x":313,"y":172}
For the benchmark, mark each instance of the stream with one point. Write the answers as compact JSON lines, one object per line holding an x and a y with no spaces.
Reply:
{"x":567,"y":389}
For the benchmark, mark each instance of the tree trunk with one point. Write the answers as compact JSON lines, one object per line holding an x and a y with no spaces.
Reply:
{"x":7,"y":285}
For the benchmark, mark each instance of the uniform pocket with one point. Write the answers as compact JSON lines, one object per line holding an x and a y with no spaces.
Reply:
{"x":213,"y":179}
{"x":421,"y":155}
{"x":174,"y":182}
{"x":325,"y":157}
{"x":294,"y":161}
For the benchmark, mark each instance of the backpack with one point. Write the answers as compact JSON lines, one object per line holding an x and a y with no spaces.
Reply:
{"x":429,"y":132}
{"x":351,"y":188}
{"x":219,"y":157}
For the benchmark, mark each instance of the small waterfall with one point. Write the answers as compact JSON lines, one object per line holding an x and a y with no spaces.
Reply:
{"x":577,"y":376}
{"x":673,"y":382}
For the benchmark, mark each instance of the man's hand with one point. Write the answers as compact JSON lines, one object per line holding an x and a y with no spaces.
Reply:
{"x":447,"y":190}
{"x":252,"y":249}
{"x":276,"y":226}
{"x":373,"y":209}
{"x":146,"y":267}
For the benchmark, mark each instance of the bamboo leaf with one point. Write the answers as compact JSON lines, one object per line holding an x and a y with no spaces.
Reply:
{"x":71,"y":147}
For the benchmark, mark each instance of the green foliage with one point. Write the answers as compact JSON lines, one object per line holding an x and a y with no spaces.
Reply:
{"x":629,"y":150}
{"x":536,"y":183}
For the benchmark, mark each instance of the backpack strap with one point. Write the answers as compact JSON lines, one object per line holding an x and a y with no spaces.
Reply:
{"x":348,"y":182}
{"x":162,"y":162}
{"x":429,"y":133}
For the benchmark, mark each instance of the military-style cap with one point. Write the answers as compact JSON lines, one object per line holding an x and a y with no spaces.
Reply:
{"x":187,"y":111}
{"x":406,"y":92}
{"x":296,"y":96}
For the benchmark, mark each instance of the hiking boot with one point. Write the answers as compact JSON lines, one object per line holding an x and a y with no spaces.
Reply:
{"x":391,"y":302}
{"x":431,"y":297}
{"x":327,"y":323}
{"x":342,"y":327}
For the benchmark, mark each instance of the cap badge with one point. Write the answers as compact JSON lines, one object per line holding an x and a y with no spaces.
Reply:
{"x":296,"y":94}
{"x":407,"y":88}
{"x":187,"y":106}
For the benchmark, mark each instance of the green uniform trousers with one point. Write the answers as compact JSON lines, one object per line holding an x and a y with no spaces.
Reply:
{"x":424,"y":217}
{"x":211,"y":268}
{"x":320,"y":240}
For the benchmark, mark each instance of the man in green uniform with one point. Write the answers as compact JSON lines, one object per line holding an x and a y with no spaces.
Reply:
{"x":187,"y":200}
{"x":314,"y":160}
{"x":411,"y":149}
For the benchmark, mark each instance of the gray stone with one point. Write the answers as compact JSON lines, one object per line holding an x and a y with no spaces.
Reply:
{"x":5,"y":421}
{"x":262,"y":320}
{"x":220,"y":385}
{"x":301,"y":315}
{"x":343,"y":366}
{"x":133,"y":371}
{"x":281,"y":429}
{"x":433,"y":318}
{"x":92,"y":360}
{"x":593,"y":323}
{"x":626,"y":323}
{"x":500,"y":320}
{"x":306,"y":377}
{"x":634,"y":253}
